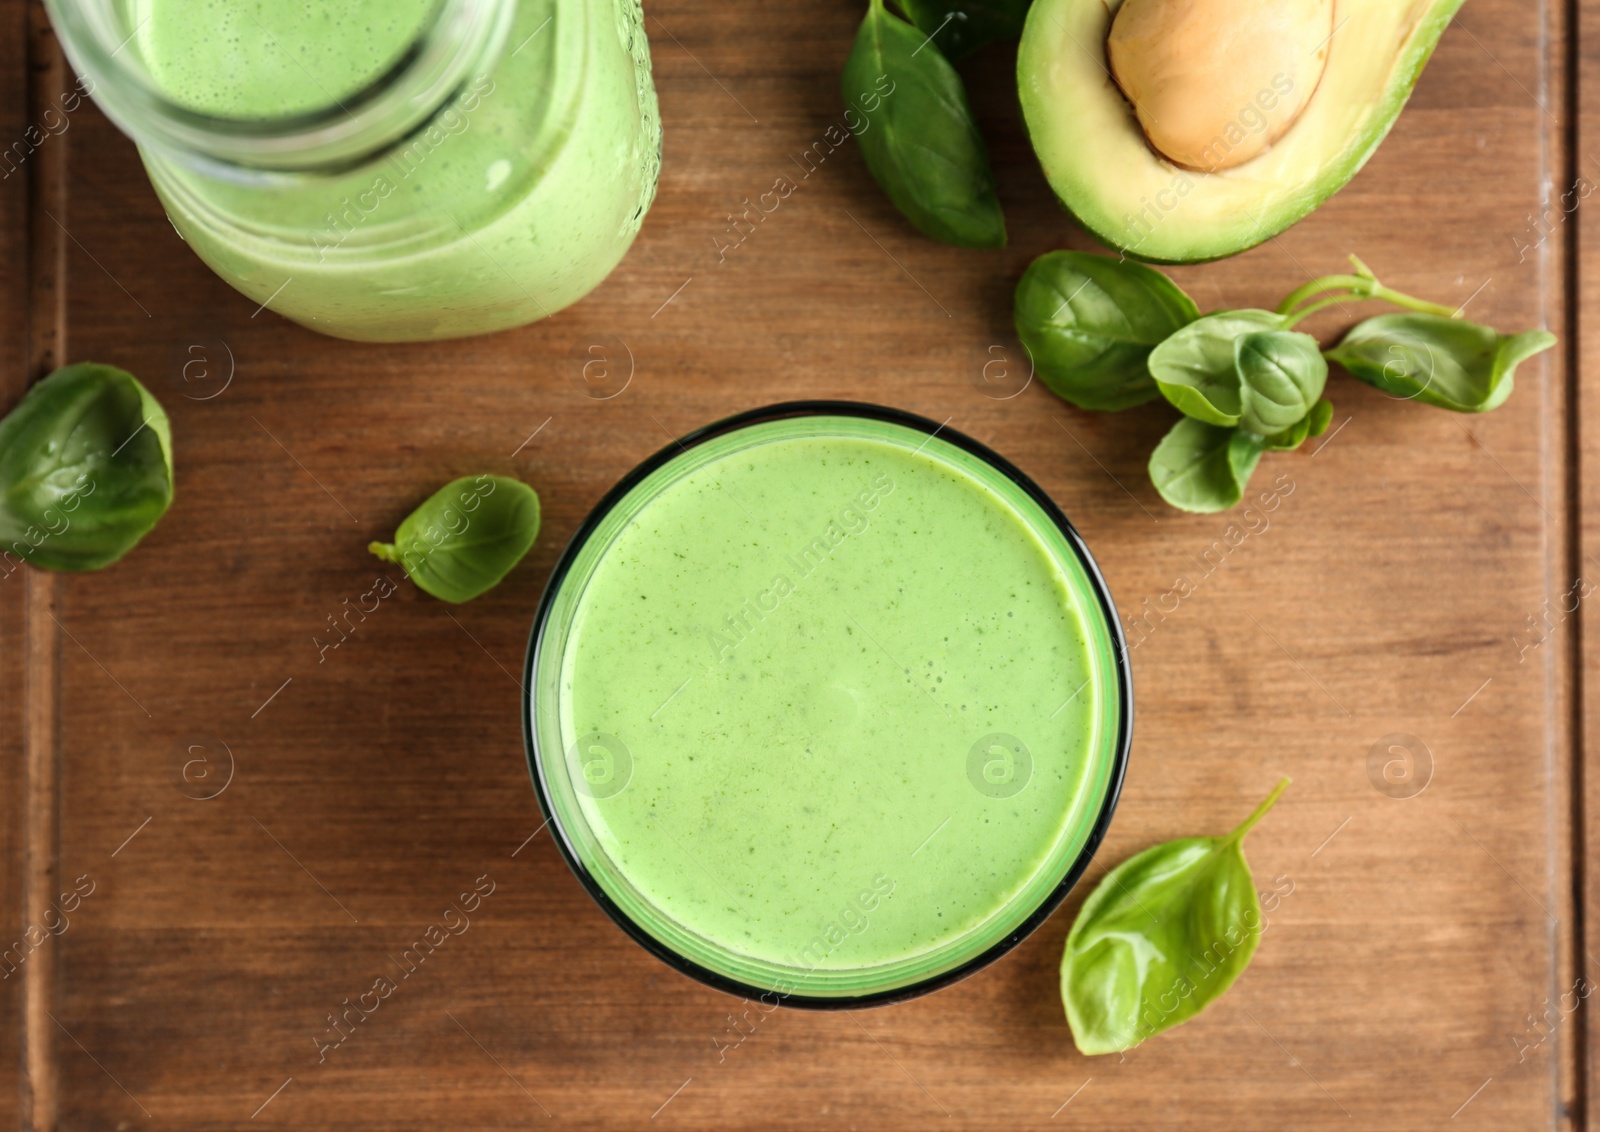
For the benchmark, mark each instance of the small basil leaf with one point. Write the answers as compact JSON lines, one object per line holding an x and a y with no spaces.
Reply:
{"x":960,"y":27}
{"x":1447,"y":362}
{"x":1290,"y":438}
{"x":1314,"y":423}
{"x":1281,"y":375}
{"x":1161,"y":938}
{"x":1204,"y":468}
{"x":1321,"y":417}
{"x":1090,"y":321}
{"x":85,"y":469}
{"x":920,"y":141}
{"x":1195,"y":368}
{"x":466,"y":536}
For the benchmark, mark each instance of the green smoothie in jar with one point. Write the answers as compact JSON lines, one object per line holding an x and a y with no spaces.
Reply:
{"x":388,"y":169}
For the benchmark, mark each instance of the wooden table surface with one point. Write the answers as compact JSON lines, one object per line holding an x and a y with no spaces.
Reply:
{"x":1412,"y":978}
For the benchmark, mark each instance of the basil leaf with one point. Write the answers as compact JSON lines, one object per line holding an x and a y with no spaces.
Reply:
{"x":1195,"y":368}
{"x":1281,"y":375}
{"x":466,"y":536}
{"x":1161,"y":938}
{"x":1447,"y":362}
{"x":960,"y":27}
{"x":85,"y":469}
{"x":1090,"y":321}
{"x":1321,"y":417}
{"x":920,"y":141}
{"x":1204,"y":468}
{"x":1314,"y":423}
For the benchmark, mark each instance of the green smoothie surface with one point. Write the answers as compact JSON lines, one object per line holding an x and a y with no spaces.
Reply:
{"x":832,"y":704}
{"x":272,"y":58}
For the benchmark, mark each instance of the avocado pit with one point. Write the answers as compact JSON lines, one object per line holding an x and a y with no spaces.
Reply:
{"x":1214,"y":83}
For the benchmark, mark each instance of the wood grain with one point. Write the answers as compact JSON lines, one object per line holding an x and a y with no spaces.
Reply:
{"x":374,"y":784}
{"x":14,"y":291}
{"x":1582,"y":235}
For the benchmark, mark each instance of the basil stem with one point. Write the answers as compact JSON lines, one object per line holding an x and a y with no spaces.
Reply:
{"x":1360,"y":286}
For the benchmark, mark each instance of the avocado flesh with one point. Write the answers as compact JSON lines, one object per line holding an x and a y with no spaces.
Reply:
{"x":1100,"y":165}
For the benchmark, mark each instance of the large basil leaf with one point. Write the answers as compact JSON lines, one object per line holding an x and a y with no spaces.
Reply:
{"x":1204,"y":468}
{"x":1447,"y":362}
{"x":1090,"y":321}
{"x":960,"y":27}
{"x":1281,"y":375}
{"x":920,"y":142}
{"x":466,"y":536}
{"x":1161,"y":938}
{"x":1195,"y":369}
{"x":85,"y":469}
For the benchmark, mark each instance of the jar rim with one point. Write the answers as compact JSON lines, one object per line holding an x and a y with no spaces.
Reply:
{"x":458,"y":41}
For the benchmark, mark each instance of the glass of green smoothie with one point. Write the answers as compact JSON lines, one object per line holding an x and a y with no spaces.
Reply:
{"x":386,"y":170}
{"x":827,"y":705}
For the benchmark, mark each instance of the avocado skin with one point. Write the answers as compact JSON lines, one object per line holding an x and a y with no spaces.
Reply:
{"x":1431,"y":28}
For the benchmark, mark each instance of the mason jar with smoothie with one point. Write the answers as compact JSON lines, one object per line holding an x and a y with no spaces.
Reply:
{"x":386,"y":170}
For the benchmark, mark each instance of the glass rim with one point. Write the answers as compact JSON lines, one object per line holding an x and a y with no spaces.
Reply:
{"x":458,"y":38}
{"x":1123,"y":679}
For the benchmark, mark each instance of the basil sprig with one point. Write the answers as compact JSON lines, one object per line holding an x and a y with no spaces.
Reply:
{"x":466,"y":536}
{"x":920,"y":141}
{"x":85,"y":469}
{"x":1161,"y":938}
{"x":1108,"y":334}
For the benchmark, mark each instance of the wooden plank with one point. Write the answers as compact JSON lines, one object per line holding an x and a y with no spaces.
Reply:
{"x":14,"y":290}
{"x":1568,"y":217}
{"x":372,"y":785}
{"x":35,"y":168}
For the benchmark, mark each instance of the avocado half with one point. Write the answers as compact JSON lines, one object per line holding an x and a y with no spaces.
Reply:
{"x":1106,"y":174}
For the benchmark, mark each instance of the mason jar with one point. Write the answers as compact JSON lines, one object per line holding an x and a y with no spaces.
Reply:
{"x":386,"y":170}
